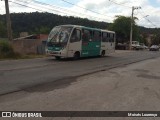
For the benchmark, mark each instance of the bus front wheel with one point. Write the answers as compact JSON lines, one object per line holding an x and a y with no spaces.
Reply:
{"x":76,"y":56}
{"x":57,"y":57}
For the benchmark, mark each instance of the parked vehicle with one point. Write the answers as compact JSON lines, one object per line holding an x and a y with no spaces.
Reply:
{"x":135,"y":45}
{"x":122,"y":46}
{"x":143,"y":46}
{"x":154,"y":48}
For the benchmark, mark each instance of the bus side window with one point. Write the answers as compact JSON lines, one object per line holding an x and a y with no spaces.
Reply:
{"x":96,"y":36}
{"x":104,"y":37}
{"x":108,"y":37}
{"x":76,"y":35}
{"x":86,"y":35}
{"x":111,"y":39}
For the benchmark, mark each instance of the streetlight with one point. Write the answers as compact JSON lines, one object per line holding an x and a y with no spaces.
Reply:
{"x":131,"y":32}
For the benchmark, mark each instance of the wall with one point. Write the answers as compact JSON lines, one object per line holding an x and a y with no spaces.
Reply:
{"x":32,"y":44}
{"x":27,"y":46}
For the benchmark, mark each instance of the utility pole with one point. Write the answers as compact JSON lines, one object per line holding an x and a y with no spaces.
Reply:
{"x":8,"y":19}
{"x":131,"y":32}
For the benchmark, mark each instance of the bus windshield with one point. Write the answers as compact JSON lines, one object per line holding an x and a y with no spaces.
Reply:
{"x":59,"y":34}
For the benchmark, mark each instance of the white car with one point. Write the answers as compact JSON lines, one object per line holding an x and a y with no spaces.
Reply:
{"x":154,"y":48}
{"x":135,"y":45}
{"x":143,"y":46}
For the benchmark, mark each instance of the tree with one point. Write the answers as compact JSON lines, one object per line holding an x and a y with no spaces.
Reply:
{"x":156,"y":39}
{"x":122,"y":26}
{"x":43,"y":22}
{"x":3,"y":30}
{"x":144,"y":40}
{"x":42,"y":30}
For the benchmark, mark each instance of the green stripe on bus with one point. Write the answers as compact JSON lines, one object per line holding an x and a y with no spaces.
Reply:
{"x":92,"y":48}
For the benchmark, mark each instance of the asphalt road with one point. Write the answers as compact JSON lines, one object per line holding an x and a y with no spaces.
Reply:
{"x":17,"y":75}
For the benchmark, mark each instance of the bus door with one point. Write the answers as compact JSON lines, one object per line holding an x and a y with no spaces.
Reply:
{"x":75,"y":42}
{"x":110,"y":43}
{"x":107,"y":42}
{"x":90,"y":43}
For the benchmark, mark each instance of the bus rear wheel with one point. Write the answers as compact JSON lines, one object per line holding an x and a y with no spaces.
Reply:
{"x":103,"y":53}
{"x":76,"y":56}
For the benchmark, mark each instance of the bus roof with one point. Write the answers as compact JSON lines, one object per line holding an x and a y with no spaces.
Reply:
{"x":90,"y":28}
{"x":107,"y":31}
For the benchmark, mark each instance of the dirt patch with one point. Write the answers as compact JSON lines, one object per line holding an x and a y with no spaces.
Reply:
{"x":50,"y":86}
{"x":141,"y":70}
{"x":149,"y":76}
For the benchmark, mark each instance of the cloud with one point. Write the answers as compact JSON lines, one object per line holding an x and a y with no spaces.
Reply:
{"x":14,"y":6}
{"x":2,"y":7}
{"x":110,"y":8}
{"x":158,"y":1}
{"x":101,"y":10}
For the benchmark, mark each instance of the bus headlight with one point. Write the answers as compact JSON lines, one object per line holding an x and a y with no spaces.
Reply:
{"x":63,"y":47}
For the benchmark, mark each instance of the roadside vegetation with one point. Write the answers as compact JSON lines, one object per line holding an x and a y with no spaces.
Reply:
{"x":122,"y":25}
{"x":7,"y":52}
{"x":156,"y":38}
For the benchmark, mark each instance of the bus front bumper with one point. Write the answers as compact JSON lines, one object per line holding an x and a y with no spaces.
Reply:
{"x":56,"y":53}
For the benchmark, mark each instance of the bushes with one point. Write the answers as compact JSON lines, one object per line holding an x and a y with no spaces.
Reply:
{"x":6,"y":50}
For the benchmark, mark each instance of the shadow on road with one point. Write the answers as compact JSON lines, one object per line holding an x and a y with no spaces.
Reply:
{"x":71,"y":59}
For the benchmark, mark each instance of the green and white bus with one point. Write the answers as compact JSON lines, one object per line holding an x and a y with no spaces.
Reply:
{"x":75,"y":41}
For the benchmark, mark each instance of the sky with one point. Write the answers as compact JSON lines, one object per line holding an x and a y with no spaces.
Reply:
{"x":147,"y":12}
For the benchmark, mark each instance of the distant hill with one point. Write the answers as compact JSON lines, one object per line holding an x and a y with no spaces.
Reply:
{"x":43,"y":22}
{"x":148,"y":30}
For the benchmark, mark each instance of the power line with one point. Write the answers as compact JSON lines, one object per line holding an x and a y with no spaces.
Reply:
{"x":120,"y":4}
{"x":147,"y":19}
{"x":44,"y":4}
{"x":85,"y":8}
{"x":69,"y":10}
{"x":37,"y":8}
{"x":61,"y":8}
{"x":27,"y":6}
